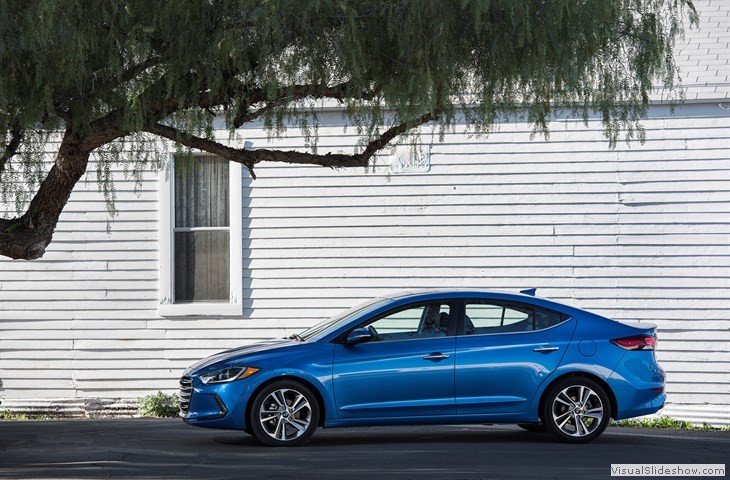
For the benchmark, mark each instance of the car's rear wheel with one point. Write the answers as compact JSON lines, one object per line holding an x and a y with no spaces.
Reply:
{"x":284,"y":414}
{"x":576,"y":410}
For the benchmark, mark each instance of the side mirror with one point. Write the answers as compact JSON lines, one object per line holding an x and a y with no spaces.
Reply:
{"x":359,"y":335}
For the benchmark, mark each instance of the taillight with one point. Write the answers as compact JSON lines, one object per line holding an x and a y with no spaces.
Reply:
{"x":636,"y":342}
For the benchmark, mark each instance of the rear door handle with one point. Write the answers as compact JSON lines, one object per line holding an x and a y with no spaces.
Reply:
{"x":436,"y":356}
{"x":545,"y":349}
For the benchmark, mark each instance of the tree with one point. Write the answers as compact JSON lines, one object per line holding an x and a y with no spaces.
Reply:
{"x":97,"y":73}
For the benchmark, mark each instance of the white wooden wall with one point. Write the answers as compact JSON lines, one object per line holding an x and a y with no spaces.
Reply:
{"x":639,"y":232}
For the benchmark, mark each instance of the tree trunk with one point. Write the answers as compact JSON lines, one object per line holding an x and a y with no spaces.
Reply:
{"x":27,"y":237}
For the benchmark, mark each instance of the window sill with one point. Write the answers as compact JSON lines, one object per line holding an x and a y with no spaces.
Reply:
{"x":200,"y":309}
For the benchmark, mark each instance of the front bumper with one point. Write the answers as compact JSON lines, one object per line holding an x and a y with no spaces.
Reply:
{"x":212,"y":406}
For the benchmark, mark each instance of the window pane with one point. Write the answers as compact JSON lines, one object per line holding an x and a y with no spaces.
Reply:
{"x":547,"y":319}
{"x":484,"y":315}
{"x":400,"y":322}
{"x":201,"y":192}
{"x":423,"y":321}
{"x":485,"y":318}
{"x":512,"y":316}
{"x":202,"y":267}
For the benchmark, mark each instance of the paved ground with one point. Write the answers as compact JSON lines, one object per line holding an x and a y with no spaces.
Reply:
{"x":169,"y":449}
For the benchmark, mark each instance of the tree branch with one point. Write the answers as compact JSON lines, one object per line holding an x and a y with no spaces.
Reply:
{"x":297,"y":92}
{"x":396,"y":130}
{"x":27,"y":237}
{"x":249,"y":158}
{"x":193,"y":141}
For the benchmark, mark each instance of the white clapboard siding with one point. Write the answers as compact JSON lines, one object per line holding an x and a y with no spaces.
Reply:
{"x":636,"y":232}
{"x":639,"y":232}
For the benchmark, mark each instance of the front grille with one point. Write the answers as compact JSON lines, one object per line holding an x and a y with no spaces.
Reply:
{"x":186,"y":393}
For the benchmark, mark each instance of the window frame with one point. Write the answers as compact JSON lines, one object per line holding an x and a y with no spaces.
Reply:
{"x":454,"y":309}
{"x":461,"y":331}
{"x":167,"y":306}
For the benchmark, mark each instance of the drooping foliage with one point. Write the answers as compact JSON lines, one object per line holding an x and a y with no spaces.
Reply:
{"x":97,"y":73}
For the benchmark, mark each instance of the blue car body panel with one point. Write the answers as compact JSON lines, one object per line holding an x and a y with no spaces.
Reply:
{"x":457,"y":378}
{"x":499,"y":374}
{"x":392,"y":379}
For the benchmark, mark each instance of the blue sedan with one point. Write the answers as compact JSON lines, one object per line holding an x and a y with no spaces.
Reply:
{"x":434,"y":357}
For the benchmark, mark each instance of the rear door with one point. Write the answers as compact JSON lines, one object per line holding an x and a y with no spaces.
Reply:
{"x":505,"y":352}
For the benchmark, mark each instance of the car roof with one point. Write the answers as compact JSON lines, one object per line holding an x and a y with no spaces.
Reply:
{"x":452,"y":291}
{"x":439,"y":293}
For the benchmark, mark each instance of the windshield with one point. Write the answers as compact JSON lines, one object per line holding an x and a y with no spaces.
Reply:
{"x":323,"y":328}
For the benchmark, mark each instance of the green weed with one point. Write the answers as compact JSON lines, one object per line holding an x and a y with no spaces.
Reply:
{"x":159,"y":405}
{"x":668,"y":423}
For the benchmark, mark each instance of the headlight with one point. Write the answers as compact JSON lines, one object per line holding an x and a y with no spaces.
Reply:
{"x":228,"y":374}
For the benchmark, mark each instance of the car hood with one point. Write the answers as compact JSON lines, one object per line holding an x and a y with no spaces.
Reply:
{"x":263,"y":346}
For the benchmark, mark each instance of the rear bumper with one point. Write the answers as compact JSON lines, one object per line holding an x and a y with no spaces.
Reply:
{"x":638,"y":385}
{"x":652,"y":403}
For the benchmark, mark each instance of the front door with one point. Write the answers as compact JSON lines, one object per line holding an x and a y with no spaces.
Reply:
{"x":405,"y":370}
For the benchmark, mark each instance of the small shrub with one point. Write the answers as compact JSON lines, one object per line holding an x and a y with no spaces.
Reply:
{"x":667,"y":423}
{"x":159,"y":405}
{"x":8,"y":415}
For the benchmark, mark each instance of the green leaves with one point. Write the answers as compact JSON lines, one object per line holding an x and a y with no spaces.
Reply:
{"x":79,"y":59}
{"x":159,"y":405}
{"x":110,"y":69}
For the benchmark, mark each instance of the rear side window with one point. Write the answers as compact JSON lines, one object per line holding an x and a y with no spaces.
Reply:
{"x":484,"y":317}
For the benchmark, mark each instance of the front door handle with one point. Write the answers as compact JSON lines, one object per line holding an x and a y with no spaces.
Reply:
{"x":436,"y":356}
{"x":545,"y":349}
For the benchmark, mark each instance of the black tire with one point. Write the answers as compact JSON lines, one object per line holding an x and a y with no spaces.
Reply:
{"x":284,"y":414}
{"x":533,"y":427}
{"x":576,"y":410}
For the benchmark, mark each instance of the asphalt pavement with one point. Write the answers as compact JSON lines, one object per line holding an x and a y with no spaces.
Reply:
{"x":169,"y":449}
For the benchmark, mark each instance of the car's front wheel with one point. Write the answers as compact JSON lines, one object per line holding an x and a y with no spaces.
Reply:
{"x":576,"y":410}
{"x":284,"y":414}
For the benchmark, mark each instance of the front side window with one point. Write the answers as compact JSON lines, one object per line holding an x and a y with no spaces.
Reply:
{"x":414,"y":322}
{"x":483,"y":317}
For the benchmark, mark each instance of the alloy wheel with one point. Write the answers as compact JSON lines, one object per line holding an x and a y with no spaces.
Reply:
{"x":285,"y":414}
{"x":578,"y":411}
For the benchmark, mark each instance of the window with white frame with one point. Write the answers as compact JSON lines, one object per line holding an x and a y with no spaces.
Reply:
{"x":201,"y":238}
